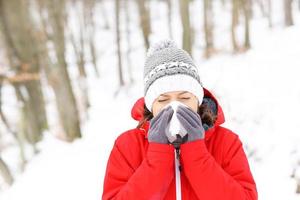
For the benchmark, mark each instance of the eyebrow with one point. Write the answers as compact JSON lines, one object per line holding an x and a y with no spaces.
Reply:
{"x":165,"y":95}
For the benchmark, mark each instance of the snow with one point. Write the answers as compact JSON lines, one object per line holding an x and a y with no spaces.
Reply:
{"x":259,"y":92}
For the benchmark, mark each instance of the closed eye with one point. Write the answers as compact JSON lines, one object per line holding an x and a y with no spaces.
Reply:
{"x":162,"y":100}
{"x":185,"y":98}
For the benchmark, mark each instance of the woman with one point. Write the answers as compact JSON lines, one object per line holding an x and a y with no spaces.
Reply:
{"x":213,"y":163}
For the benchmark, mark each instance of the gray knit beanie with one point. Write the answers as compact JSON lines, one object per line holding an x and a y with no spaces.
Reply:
{"x":168,"y":68}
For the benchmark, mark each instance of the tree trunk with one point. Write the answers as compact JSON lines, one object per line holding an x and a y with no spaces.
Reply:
{"x":118,"y":41}
{"x":89,"y":9}
{"x":93,"y":52}
{"x":250,"y":9}
{"x":26,"y":128}
{"x":16,"y":133}
{"x":56,"y":71}
{"x":128,"y":33}
{"x":169,"y":5}
{"x":5,"y":173}
{"x":208,"y":27}
{"x":79,"y":44}
{"x":185,"y":21}
{"x":234,"y":21}
{"x":223,"y":3}
{"x":288,"y":14}
{"x":270,"y":21}
{"x":261,"y":4}
{"x":20,"y":42}
{"x":246,"y":10}
{"x":143,"y":7}
{"x":104,"y":14}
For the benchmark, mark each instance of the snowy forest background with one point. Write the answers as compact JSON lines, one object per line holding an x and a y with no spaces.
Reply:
{"x":71,"y":70}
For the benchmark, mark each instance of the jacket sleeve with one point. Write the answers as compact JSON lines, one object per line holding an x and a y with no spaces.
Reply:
{"x":232,"y":181}
{"x":149,"y":181}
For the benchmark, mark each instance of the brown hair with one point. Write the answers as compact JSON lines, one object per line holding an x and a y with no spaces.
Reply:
{"x":207,"y":115}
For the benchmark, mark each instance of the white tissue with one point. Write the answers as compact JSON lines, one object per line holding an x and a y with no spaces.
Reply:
{"x":174,"y":126}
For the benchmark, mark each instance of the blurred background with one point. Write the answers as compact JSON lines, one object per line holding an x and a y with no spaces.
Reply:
{"x":71,"y":70}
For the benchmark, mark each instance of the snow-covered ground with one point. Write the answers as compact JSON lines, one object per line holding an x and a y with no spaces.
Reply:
{"x":259,"y":92}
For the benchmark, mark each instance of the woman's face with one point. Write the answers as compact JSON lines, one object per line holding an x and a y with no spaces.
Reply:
{"x":184,"y":97}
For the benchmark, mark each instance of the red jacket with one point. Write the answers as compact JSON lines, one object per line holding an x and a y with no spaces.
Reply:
{"x":215,"y":168}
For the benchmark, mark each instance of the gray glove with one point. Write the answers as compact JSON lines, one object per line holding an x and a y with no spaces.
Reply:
{"x":192,"y":123}
{"x":158,"y":125}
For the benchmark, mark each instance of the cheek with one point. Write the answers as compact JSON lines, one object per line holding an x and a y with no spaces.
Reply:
{"x":156,"y":108}
{"x":192,"y":104}
{"x":195,"y":107}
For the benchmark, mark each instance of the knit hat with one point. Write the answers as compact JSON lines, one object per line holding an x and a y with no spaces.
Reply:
{"x":167,"y":69}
